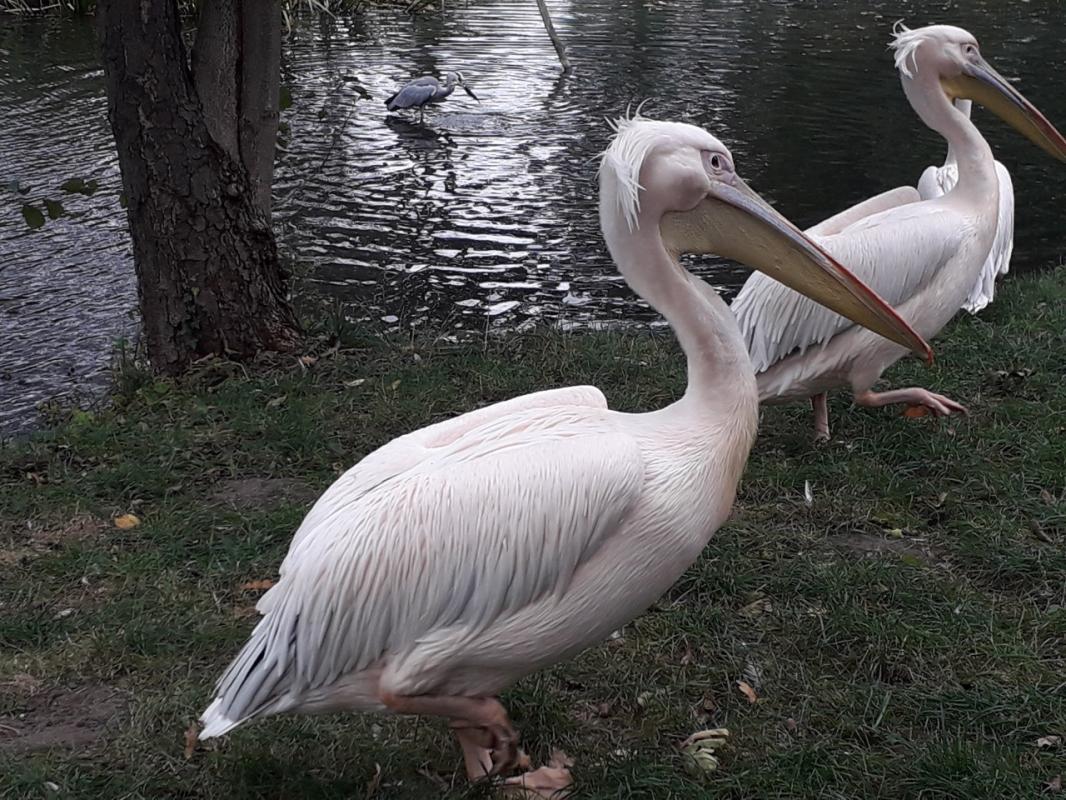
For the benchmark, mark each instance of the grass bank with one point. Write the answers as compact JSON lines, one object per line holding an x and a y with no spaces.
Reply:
{"x":905,"y":634}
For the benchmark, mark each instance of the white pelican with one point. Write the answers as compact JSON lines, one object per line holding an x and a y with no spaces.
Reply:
{"x":937,"y":181}
{"x":924,"y":257}
{"x":456,"y":559}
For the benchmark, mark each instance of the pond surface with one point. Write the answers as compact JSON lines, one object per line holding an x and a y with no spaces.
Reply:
{"x":485,"y":216}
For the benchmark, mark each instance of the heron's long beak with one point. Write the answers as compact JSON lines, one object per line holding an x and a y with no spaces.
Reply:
{"x":734,"y":222}
{"x":982,"y":84}
{"x":469,"y":91}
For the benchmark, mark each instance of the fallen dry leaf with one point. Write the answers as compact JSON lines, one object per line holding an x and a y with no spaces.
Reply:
{"x":1048,"y":741}
{"x":192,"y":737}
{"x":257,"y":586}
{"x":307,"y":361}
{"x":127,"y":521}
{"x":1039,"y":532}
{"x":688,"y":656}
{"x":1047,"y":497}
{"x":1055,"y":784}
{"x":560,"y":760}
{"x":708,"y":704}
{"x":756,"y":607}
{"x":915,"y":411}
{"x":277,"y":401}
{"x":747,"y":691}
{"x":698,"y":751}
{"x":374,"y":783}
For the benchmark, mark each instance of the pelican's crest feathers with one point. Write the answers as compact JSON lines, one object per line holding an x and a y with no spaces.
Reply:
{"x":906,"y":42}
{"x":624,"y":157}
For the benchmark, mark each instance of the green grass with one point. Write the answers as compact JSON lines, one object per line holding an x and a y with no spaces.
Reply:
{"x":928,"y":669}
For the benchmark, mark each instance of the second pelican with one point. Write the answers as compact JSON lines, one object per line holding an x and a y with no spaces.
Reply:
{"x":923,"y":257}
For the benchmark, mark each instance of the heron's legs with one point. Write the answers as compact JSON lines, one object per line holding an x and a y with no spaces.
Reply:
{"x":821,"y":417}
{"x":941,"y":406}
{"x":489,"y":741}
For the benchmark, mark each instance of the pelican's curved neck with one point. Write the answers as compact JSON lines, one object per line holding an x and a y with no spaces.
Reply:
{"x":964,"y":106}
{"x":966,"y":146}
{"x":718,"y":363}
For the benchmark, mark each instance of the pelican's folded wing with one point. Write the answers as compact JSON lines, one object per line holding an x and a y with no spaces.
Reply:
{"x":895,"y":253}
{"x":502,"y":516}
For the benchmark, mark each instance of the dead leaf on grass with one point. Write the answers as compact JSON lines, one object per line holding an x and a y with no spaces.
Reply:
{"x":192,"y":737}
{"x":747,"y":691}
{"x":756,"y":608}
{"x":1055,"y":784}
{"x":1047,"y":497}
{"x":374,"y":783}
{"x":1048,"y":742}
{"x":257,"y":586}
{"x":277,"y":401}
{"x":126,"y":522}
{"x":914,"y":412}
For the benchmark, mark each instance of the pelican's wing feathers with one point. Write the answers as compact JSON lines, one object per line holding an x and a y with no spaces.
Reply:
{"x":900,"y":196}
{"x":481,"y":526}
{"x":406,"y":451}
{"x":895,"y":252}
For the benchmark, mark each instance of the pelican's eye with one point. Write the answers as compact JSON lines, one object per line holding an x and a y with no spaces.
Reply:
{"x":970,"y":49}
{"x":716,"y":163}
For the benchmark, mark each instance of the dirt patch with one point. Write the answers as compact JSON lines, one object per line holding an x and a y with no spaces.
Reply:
{"x":61,"y":718}
{"x":30,"y":542}
{"x":248,"y":493}
{"x":869,"y":545}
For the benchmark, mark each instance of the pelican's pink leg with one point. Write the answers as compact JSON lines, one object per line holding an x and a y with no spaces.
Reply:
{"x":489,"y":741}
{"x":937,"y":403}
{"x":821,"y":417}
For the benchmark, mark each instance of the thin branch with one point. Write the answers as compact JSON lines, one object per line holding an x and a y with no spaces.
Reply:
{"x":556,"y":41}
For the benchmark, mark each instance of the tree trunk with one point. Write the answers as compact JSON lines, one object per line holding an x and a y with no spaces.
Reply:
{"x":209,"y":279}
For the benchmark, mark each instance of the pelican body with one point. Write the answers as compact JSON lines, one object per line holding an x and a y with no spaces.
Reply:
{"x":923,"y":256}
{"x":425,"y":91}
{"x":456,"y":559}
{"x":938,"y":181}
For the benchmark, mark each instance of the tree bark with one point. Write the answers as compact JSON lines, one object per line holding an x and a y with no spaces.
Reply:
{"x":237,"y":71}
{"x":209,"y":279}
{"x":260,"y":87}
{"x":215,"y":70}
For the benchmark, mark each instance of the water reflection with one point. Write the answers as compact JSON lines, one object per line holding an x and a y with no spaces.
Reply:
{"x":485,"y":214}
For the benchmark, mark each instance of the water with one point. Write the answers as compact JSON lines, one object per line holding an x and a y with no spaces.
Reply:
{"x":486,"y":215}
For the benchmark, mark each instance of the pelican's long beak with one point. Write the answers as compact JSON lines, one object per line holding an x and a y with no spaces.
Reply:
{"x":982,"y":84}
{"x":734,"y":222}
{"x":469,"y":91}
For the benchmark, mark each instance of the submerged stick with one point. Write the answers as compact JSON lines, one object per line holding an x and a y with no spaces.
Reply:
{"x":559,"y":48}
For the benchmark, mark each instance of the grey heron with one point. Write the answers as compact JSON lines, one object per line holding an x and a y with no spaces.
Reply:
{"x":427,"y":89}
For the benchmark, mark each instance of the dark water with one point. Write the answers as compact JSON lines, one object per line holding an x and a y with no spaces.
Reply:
{"x":486,"y":216}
